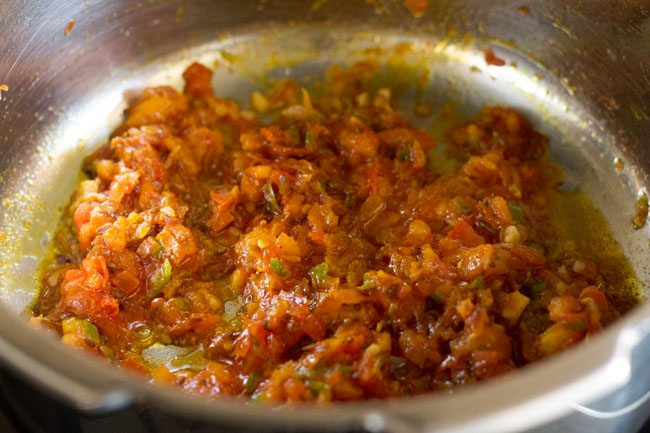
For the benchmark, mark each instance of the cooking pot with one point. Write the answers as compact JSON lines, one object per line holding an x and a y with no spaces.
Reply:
{"x":580,"y":71}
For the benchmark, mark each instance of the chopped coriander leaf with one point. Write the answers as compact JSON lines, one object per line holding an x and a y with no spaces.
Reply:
{"x":437,"y":297}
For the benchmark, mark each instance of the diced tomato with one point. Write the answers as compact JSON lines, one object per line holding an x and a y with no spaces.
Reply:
{"x":475,"y":261}
{"x":465,"y":234}
{"x":198,"y":81}
{"x":177,"y":241}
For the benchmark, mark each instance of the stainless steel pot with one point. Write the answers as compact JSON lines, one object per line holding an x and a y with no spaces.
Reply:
{"x":580,"y":70}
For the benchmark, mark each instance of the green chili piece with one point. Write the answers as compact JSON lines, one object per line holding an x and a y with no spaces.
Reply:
{"x":344,"y":368}
{"x":183,"y":304}
{"x":107,"y":352}
{"x":318,"y":273}
{"x":580,"y":325}
{"x":477,"y":283}
{"x":90,"y":332}
{"x":368,"y":282}
{"x":251,"y":383}
{"x":294,"y":134}
{"x":398,"y":366}
{"x":316,"y":386}
{"x":161,"y":278}
{"x":310,"y":140}
{"x":278,"y":267}
{"x":69,"y":326}
{"x":439,"y":163}
{"x":270,"y":198}
{"x":82,"y":328}
{"x":404,"y":155}
{"x":515,"y":211}
{"x":536,"y":288}
{"x":437,"y":297}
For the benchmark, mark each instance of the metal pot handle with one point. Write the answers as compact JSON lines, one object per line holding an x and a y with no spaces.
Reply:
{"x":612,"y":413}
{"x":627,"y":341}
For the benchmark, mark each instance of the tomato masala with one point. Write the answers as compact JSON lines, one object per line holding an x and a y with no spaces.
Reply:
{"x":324,"y":255}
